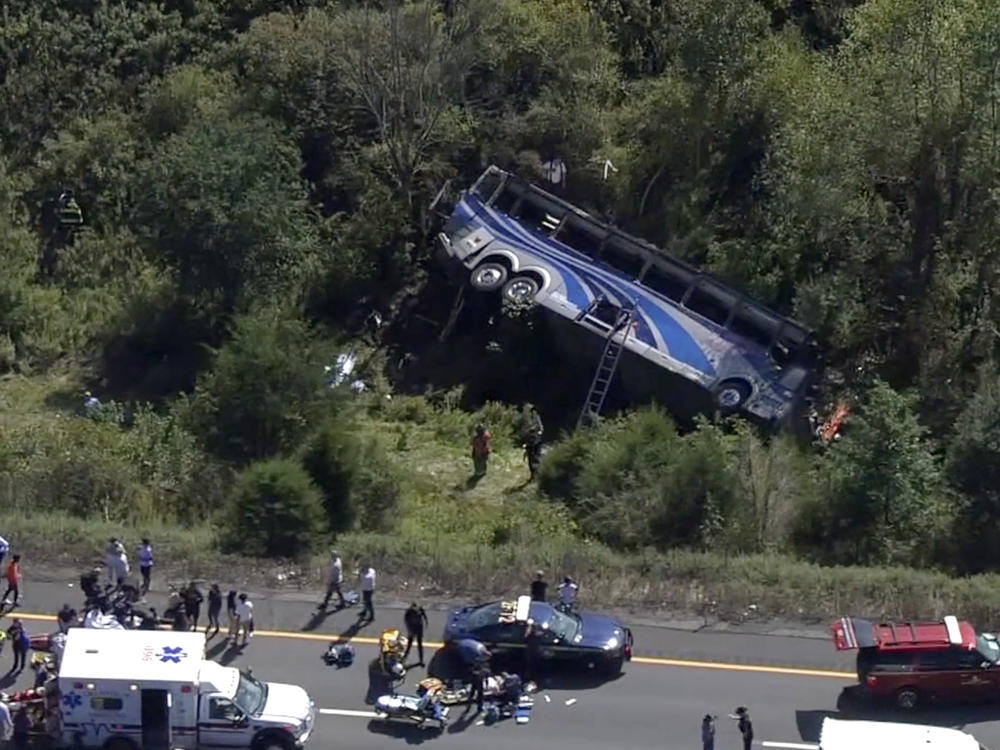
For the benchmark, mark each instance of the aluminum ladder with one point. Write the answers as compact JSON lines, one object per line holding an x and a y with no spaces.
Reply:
{"x":607,"y":368}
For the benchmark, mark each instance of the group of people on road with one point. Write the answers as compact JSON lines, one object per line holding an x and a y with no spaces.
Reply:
{"x":745,"y":725}
{"x":531,"y":432}
{"x":335,"y":585}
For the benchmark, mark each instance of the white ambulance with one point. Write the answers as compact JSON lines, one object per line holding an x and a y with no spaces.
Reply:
{"x":837,"y":734}
{"x":154,"y":690}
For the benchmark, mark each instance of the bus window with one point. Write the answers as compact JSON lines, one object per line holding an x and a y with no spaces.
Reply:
{"x":487,"y":185}
{"x":581,"y":237}
{"x":705,"y":300}
{"x":787,"y":348}
{"x":753,"y":325}
{"x":508,"y":197}
{"x":669,"y":281}
{"x":624,"y":258}
{"x":538,"y":214}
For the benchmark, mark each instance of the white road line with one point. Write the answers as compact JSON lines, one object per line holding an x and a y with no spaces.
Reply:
{"x":345,"y":712}
{"x":791,"y":745}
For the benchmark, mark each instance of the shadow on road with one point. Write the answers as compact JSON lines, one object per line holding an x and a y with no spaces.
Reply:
{"x":411,"y":733}
{"x":319,"y":617}
{"x":850,"y":705}
{"x":378,"y":683}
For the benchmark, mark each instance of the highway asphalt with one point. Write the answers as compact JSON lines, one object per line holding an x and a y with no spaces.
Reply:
{"x":788,"y":683}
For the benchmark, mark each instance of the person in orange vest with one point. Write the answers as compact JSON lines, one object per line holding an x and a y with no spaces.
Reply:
{"x":13,"y":581}
{"x":482,"y":447}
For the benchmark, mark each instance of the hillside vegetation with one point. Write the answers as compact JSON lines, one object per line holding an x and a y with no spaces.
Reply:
{"x":255,"y":175}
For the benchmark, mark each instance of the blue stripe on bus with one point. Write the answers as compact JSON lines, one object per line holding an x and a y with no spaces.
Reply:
{"x":681,"y":345}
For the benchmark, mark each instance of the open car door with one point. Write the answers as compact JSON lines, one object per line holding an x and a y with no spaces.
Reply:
{"x":850,"y":633}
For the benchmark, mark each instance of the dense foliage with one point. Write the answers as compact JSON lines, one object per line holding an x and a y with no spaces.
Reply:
{"x":248,"y":171}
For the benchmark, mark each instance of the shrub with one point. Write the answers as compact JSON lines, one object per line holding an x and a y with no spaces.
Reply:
{"x":332,"y":457}
{"x":275,"y":511}
{"x":264,"y":391}
{"x":359,"y":484}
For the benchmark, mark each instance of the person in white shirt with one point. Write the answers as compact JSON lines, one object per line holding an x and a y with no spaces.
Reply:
{"x":145,"y":556}
{"x":4,"y":549}
{"x":121,"y":564}
{"x":244,"y":619}
{"x":567,"y":594}
{"x":335,"y":583}
{"x":6,"y":723}
{"x":366,"y":582}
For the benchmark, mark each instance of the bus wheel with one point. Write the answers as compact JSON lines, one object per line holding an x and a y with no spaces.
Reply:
{"x":520,"y":290}
{"x":489,"y":276}
{"x":731,"y":395}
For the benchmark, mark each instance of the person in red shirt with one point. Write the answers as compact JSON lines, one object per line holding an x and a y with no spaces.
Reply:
{"x":13,"y":580}
{"x":482,"y":447}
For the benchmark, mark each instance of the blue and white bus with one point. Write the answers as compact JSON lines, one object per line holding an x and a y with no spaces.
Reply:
{"x":530,"y":246}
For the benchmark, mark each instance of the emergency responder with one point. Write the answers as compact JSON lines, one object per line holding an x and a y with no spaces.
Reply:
{"x":415,"y":619}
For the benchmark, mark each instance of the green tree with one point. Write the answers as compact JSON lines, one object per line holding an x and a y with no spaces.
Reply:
{"x":973,"y":465}
{"x":264,"y":390}
{"x":221,"y":202}
{"x":882,"y":495}
{"x":275,"y":511}
{"x":332,"y":457}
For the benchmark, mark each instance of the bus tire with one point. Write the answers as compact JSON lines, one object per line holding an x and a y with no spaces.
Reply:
{"x":520,"y":290}
{"x":730,"y":395}
{"x":488,"y":276}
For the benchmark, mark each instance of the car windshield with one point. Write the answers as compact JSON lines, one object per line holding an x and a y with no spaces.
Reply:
{"x":563,"y":625}
{"x":989,"y":648}
{"x":251,"y":695}
{"x":488,"y":614}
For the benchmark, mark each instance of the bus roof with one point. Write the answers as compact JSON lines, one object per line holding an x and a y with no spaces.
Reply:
{"x":132,"y":655}
{"x":641,"y":246}
{"x":838,"y":734}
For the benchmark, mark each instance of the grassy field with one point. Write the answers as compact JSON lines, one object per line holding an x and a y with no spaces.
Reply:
{"x":461,"y":539}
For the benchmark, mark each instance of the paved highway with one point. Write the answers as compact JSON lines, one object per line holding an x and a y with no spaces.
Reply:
{"x":657,"y":703}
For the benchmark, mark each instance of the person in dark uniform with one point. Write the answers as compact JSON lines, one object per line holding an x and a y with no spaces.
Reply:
{"x":745,"y":725}
{"x":214,"y":610}
{"x":533,"y":453}
{"x":532,"y":652}
{"x":538,"y":587}
{"x":192,"y":604}
{"x":415,"y":619}
{"x":478,"y":692}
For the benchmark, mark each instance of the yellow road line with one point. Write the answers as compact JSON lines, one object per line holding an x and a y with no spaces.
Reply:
{"x":651,"y":661}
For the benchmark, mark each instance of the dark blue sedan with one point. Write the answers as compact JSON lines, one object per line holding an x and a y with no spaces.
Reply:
{"x":595,"y":640}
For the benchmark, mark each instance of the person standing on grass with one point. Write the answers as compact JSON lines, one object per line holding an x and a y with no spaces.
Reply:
{"x":244,"y":618}
{"x":192,"y":604}
{"x":482,"y":447}
{"x":745,"y":725}
{"x":145,"y":556}
{"x":366,"y":582}
{"x":415,"y":618}
{"x":13,"y":581}
{"x":538,"y":587}
{"x":214,"y":610}
{"x":335,"y":583}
